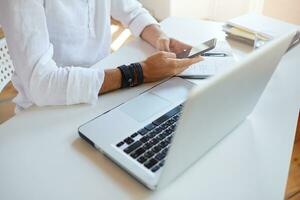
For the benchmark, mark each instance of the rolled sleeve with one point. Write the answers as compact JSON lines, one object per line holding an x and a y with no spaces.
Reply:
{"x":53,"y":85}
{"x":84,"y":85}
{"x":132,"y":14}
{"x":140,"y":22}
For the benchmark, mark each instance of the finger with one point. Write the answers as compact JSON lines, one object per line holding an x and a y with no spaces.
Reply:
{"x":186,"y":62}
{"x":169,"y":55}
{"x":164,"y":45}
{"x":178,"y":46}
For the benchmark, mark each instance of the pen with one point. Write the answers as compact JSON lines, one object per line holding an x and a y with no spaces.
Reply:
{"x":214,"y":54}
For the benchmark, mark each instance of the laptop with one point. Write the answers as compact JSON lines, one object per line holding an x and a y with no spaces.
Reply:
{"x":148,"y":134}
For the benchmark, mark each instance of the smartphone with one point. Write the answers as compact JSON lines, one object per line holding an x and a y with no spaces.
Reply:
{"x":198,"y":50}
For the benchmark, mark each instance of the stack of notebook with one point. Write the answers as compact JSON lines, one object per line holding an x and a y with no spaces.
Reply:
{"x":243,"y":35}
{"x":253,"y":27}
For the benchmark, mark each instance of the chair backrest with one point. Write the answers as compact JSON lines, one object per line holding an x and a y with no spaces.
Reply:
{"x":6,"y":66}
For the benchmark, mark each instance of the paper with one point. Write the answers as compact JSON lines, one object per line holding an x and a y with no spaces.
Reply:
{"x":211,"y":65}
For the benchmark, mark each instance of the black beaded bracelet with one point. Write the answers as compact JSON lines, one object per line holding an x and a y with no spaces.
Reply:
{"x":132,"y":72}
{"x":129,"y":73}
{"x":126,"y":76}
{"x":140,"y":75}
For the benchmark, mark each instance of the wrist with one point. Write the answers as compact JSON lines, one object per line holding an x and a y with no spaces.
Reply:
{"x":112,"y":81}
{"x":132,"y":75}
{"x":152,"y":34}
{"x":144,"y":68}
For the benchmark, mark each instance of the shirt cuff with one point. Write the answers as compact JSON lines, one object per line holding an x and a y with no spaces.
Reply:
{"x":84,"y":85}
{"x":140,"y":22}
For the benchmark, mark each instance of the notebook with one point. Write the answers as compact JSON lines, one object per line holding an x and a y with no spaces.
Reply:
{"x":211,"y":65}
{"x":247,"y":27}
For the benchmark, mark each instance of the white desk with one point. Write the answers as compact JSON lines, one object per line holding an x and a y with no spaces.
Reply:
{"x":42,"y":156}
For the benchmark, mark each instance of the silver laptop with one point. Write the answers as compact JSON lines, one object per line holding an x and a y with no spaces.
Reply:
{"x":177,"y":119}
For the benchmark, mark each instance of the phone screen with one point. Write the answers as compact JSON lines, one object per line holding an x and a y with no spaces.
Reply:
{"x":198,"y":50}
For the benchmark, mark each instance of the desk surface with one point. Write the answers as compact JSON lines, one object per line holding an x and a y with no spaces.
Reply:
{"x":42,"y":156}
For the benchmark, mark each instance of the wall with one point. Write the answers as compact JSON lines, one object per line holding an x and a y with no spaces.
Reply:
{"x":287,"y":10}
{"x":160,"y":9}
{"x":198,"y":9}
{"x":202,"y":9}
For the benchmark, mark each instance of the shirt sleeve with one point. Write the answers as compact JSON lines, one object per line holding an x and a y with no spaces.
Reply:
{"x":131,"y":14}
{"x":45,"y":83}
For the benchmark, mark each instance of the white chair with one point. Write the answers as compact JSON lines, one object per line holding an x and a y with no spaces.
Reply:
{"x":6,"y":66}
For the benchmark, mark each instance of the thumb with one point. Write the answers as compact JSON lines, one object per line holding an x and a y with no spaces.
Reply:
{"x":164,"y":44}
{"x":189,"y":61}
{"x":170,"y":55}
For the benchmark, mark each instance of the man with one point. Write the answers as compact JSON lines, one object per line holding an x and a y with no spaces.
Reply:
{"x":54,"y":42}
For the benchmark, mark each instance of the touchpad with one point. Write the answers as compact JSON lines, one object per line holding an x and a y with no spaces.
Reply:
{"x":145,"y":106}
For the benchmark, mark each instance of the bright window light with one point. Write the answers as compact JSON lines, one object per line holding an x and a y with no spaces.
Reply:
{"x":114,"y":28}
{"x":119,"y":41}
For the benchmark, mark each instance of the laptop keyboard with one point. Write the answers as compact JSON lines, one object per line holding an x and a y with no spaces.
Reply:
{"x":149,"y":146}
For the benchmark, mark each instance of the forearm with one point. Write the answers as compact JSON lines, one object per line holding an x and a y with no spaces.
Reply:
{"x":152,"y":34}
{"x":112,"y":81}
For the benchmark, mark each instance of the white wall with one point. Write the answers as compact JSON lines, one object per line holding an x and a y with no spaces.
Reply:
{"x":160,"y":9}
{"x":201,"y":9}
{"x":287,"y":10}
{"x":191,"y":8}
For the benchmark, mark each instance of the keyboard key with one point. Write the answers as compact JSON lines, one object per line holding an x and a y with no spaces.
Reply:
{"x":164,"y":126}
{"x":150,"y":127}
{"x":165,"y":150}
{"x":162,"y":163}
{"x":134,"y":135}
{"x":160,"y":156}
{"x":132,"y":147}
{"x":172,"y":127}
{"x":145,"y":139}
{"x":163,"y":154}
{"x":172,"y":120}
{"x":147,"y":145}
{"x":169,"y":122}
{"x":168,"y":139}
{"x":160,"y":120}
{"x":128,"y":140}
{"x":165,"y":134}
{"x":120,"y":144}
{"x":143,"y":131}
{"x":169,"y":131}
{"x":156,"y":149}
{"x":163,"y":144}
{"x":137,"y":153}
{"x":155,"y":168}
{"x":149,"y":154}
{"x":160,"y":137}
{"x":168,"y":115}
{"x":154,"y":141}
{"x":156,"y":131}
{"x":142,"y":159}
{"x":151,"y":134}
{"x":150,"y":163}
{"x":176,"y":117}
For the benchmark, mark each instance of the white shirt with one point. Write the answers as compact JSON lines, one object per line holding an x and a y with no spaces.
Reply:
{"x":54,"y":42}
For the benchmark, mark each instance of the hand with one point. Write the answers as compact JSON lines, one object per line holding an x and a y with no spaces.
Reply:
{"x":177,"y":46}
{"x":165,"y":43}
{"x":164,"y":64}
{"x":158,"y":39}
